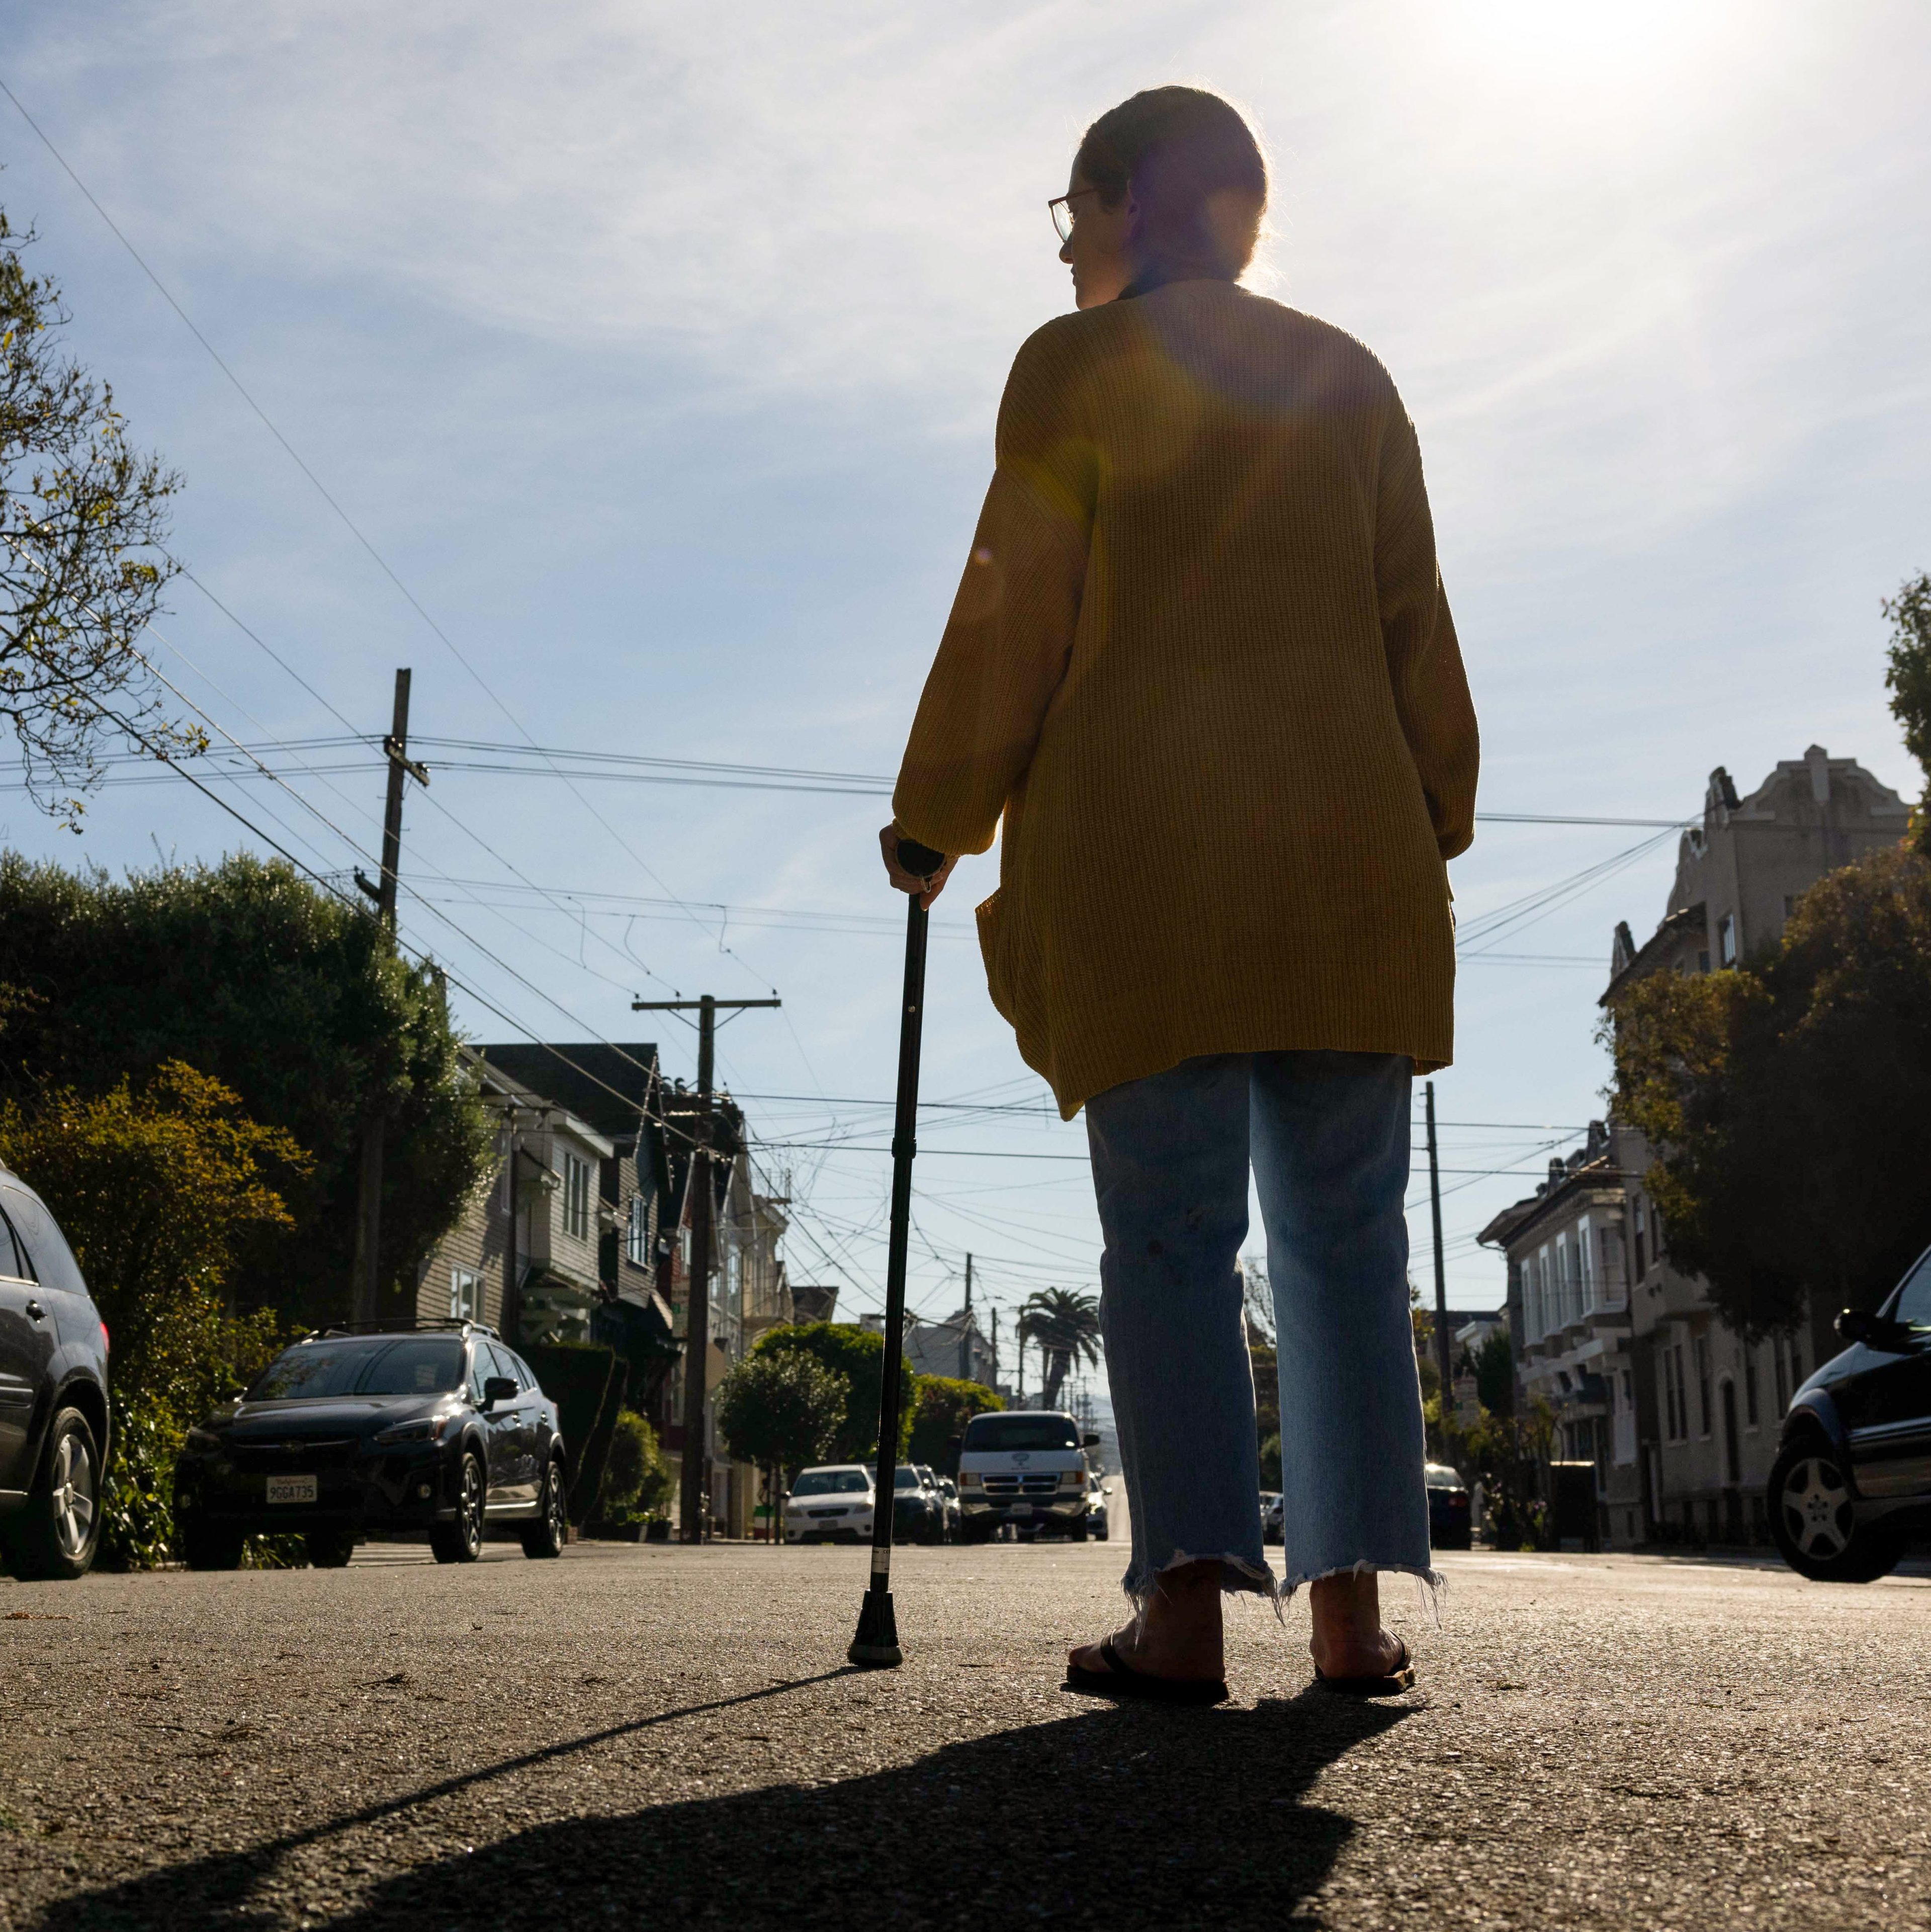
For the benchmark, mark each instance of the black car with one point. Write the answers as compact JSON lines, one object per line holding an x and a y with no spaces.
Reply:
{"x":53,"y":1395}
{"x":1851,"y":1484}
{"x":435,"y":1430}
{"x":1449,"y":1522}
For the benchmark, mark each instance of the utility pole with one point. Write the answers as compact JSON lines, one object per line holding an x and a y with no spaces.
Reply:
{"x":965,"y":1329}
{"x":694,"y":1500}
{"x":369,"y":1192}
{"x":1441,"y":1276}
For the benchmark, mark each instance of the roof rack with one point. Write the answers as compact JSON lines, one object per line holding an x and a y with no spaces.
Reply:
{"x":403,"y":1324}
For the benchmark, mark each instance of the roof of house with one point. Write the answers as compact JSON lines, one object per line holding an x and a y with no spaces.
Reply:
{"x":607,"y":1085}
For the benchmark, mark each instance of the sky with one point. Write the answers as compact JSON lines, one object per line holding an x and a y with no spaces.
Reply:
{"x":652,"y":353}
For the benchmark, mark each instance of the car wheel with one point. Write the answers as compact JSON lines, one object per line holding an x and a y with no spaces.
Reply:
{"x":1813,"y":1518}
{"x":329,"y":1548}
{"x":462,"y":1541}
{"x":55,"y":1537}
{"x":547,"y":1536}
{"x":207,"y":1545}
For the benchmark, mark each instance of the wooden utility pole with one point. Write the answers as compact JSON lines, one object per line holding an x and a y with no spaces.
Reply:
{"x":965,"y":1329}
{"x":1441,"y":1273}
{"x":369,"y":1192}
{"x":694,"y":1500}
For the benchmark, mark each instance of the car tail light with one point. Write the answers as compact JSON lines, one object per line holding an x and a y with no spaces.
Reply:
{"x":105,"y":1343}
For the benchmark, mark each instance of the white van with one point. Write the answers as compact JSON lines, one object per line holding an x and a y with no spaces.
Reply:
{"x":1026,"y":1467}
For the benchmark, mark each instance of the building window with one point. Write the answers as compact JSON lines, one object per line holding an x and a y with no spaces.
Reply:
{"x":1726,"y":940}
{"x":1672,"y":1429}
{"x":1750,"y":1386}
{"x":576,"y":1197}
{"x":1702,"y":1385}
{"x":637,"y":1240}
{"x":1642,"y":1236}
{"x":466,"y":1294}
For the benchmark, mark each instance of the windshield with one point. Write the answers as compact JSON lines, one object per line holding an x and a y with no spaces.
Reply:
{"x":995,"y":1434}
{"x":1439,"y":1477}
{"x":1914,"y":1304}
{"x":829,"y":1482}
{"x":371,"y":1365}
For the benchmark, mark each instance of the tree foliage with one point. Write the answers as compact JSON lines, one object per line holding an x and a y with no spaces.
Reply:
{"x":781,"y":1409}
{"x":1908,"y":676}
{"x":941,"y":1410}
{"x":1495,"y":1365}
{"x":159,"y":1190}
{"x":1789,"y":1102}
{"x":857,"y":1355}
{"x":83,"y":555}
{"x":636,"y":1478}
{"x":1066,"y":1326}
{"x":289,"y":998}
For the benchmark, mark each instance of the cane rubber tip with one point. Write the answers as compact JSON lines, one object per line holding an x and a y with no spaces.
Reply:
{"x":875,"y":1656}
{"x":875,"y":1645}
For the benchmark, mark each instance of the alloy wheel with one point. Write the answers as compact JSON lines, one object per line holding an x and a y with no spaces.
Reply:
{"x":73,"y":1496}
{"x":1817,"y":1510}
{"x":555,"y":1507}
{"x":470,"y":1509}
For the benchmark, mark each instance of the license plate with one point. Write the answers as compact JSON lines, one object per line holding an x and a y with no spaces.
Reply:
{"x":1021,"y":1509}
{"x":291,"y":1489}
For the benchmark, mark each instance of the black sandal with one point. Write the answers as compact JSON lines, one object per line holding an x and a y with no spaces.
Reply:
{"x":1402,"y":1677}
{"x":1120,"y":1680}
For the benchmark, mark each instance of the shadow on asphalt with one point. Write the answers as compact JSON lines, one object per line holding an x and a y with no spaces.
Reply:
{"x":1112,"y":1816}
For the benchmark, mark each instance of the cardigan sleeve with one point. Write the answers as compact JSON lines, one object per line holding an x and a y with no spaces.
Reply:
{"x":1425,"y":668}
{"x":1006,"y":644}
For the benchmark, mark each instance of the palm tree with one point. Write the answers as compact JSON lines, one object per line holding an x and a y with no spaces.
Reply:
{"x":1066,"y":1326}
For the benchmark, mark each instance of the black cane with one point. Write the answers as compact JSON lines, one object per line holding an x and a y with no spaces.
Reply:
{"x":875,"y":1645}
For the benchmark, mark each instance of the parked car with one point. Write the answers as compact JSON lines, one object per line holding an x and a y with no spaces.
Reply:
{"x":918,"y":1512}
{"x":1025,"y":1467}
{"x":1851,"y":1484}
{"x":832,"y":1503}
{"x":1096,"y":1494}
{"x":53,"y":1395}
{"x":396,"y":1430}
{"x":950,"y":1490}
{"x":1448,"y":1518}
{"x":1270,"y":1515}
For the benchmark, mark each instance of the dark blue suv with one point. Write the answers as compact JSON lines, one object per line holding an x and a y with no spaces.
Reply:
{"x":53,"y":1395}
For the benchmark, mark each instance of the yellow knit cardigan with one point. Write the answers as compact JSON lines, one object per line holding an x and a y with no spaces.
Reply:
{"x":1201,"y":663}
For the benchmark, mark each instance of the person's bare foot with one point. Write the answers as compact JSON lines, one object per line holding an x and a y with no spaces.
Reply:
{"x":1178,"y":1637}
{"x":1348,"y":1640}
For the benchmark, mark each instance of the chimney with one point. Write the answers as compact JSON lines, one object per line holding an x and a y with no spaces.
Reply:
{"x":1818,"y":761}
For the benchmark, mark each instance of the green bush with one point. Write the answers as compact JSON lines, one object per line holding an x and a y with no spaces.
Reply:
{"x":137,"y":1491}
{"x":636,"y":1479}
{"x":859,"y":1355}
{"x":941,"y":1407}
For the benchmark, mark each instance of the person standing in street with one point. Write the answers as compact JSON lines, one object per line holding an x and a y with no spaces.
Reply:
{"x":1201,"y":669}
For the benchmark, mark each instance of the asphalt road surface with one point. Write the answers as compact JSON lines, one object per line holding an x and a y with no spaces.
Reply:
{"x":653,"y":1737}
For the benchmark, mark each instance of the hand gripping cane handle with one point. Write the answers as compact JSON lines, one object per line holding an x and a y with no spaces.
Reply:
{"x":921,"y":861}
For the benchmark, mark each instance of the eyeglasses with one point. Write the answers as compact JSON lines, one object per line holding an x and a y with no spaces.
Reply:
{"x":1061,"y":209}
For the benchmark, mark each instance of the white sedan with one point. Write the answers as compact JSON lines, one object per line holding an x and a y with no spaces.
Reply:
{"x":831,"y":1504}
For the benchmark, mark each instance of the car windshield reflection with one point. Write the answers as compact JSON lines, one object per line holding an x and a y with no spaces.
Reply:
{"x":415,"y":1365}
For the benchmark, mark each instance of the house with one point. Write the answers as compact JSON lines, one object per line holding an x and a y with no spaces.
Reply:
{"x":1678,"y":1414}
{"x":558,"y":1242}
{"x":958,"y":1347}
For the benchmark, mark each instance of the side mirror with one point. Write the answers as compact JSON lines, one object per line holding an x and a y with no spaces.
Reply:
{"x":498,"y":1388}
{"x":1860,"y":1325}
{"x":1089,"y":1441}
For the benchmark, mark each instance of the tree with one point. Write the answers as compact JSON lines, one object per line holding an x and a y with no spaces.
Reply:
{"x":1789,"y":1102}
{"x":292,"y":1000}
{"x":1065,"y":1325}
{"x":859,"y":1355}
{"x":1494,"y":1364}
{"x":1908,"y":676}
{"x":941,"y":1410}
{"x":781,"y":1409}
{"x":83,"y":555}
{"x":159,"y":1189}
{"x":159,"y":1192}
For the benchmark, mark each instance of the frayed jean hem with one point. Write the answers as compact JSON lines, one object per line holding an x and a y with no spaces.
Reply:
{"x":1431,"y":1585}
{"x":1239,"y":1576}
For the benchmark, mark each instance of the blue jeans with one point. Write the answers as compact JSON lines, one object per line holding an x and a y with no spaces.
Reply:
{"x":1328,"y":1135}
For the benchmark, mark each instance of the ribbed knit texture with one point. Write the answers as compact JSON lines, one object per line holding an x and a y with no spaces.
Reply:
{"x":1201,"y":663}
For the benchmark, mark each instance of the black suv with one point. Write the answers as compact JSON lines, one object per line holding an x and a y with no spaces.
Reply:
{"x":1853,"y":1483}
{"x":53,"y":1395}
{"x":395,"y":1431}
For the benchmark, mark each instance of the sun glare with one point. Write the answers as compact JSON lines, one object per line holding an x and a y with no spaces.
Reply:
{"x":1581,"y":43}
